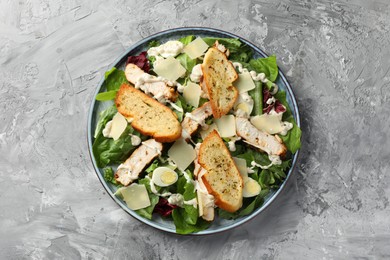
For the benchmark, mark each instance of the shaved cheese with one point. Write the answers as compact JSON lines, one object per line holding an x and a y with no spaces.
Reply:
{"x":136,"y":196}
{"x":196,"y":48}
{"x":205,"y":133}
{"x":251,"y":188}
{"x":244,"y":82}
{"x":241,"y":166}
{"x":169,"y":68}
{"x":268,"y":123}
{"x":226,"y":126}
{"x":182,"y":154}
{"x":192,"y":93}
{"x":119,"y":124}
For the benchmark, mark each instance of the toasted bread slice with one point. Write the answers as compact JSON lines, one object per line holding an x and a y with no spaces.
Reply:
{"x":218,"y":76}
{"x":259,"y":139}
{"x":149,"y":116}
{"x":223,"y":180}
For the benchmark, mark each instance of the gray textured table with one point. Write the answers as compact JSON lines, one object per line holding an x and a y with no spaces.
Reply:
{"x":337,"y":58}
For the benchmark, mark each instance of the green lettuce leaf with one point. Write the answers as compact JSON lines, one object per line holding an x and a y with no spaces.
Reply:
{"x":104,"y":96}
{"x":293,"y":138}
{"x":267,"y":66}
{"x":104,"y":117}
{"x":114,"y":78}
{"x":238,"y":51}
{"x":187,"y":39}
{"x":182,"y":226}
{"x":186,"y":62}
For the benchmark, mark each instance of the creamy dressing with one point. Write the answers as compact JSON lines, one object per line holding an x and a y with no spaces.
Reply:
{"x":146,"y":78}
{"x":170,"y":48}
{"x":270,"y":101}
{"x":232,"y":143}
{"x":107,"y":129}
{"x":152,"y":147}
{"x":196,"y":73}
{"x":135,"y":140}
{"x":129,"y":176}
{"x":200,"y":121}
{"x":176,"y":107}
{"x":285,"y":126}
{"x":275,"y":160}
{"x":256,"y":76}
{"x":246,"y":100}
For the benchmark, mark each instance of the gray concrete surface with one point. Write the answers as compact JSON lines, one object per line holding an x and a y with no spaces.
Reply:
{"x":336,"y":55}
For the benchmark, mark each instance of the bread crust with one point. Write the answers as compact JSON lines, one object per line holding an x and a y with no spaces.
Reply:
{"x":234,"y":184}
{"x":133,"y":103}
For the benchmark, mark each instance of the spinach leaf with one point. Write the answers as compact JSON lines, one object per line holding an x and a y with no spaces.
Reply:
{"x":178,"y":113}
{"x":107,"y":151}
{"x":114,"y":78}
{"x":267,"y":66}
{"x":154,"y":43}
{"x":182,"y":227}
{"x":191,"y":213}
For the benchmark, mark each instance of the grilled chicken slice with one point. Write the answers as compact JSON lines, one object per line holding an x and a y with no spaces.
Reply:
{"x":150,"y":84}
{"x":197,"y":117}
{"x":129,"y":171}
{"x":264,"y":141}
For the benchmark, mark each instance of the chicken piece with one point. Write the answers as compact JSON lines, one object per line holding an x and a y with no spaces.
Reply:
{"x":150,"y":84}
{"x":197,"y":117}
{"x":262,"y":140}
{"x":129,"y":171}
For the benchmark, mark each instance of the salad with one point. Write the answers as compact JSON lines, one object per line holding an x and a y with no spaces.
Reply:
{"x":163,"y":175}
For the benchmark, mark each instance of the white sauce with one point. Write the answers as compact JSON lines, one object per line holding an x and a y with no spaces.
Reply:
{"x":232,"y":143}
{"x":176,"y":199}
{"x":270,"y":101}
{"x":145,"y":78}
{"x":256,"y":76}
{"x":170,"y":48}
{"x":176,"y":107}
{"x":196,"y":73}
{"x":152,"y":147}
{"x":275,"y":160}
{"x":192,"y":202}
{"x":107,"y":129}
{"x":180,"y":87}
{"x":248,"y":101}
{"x":135,"y":140}
{"x":200,"y":121}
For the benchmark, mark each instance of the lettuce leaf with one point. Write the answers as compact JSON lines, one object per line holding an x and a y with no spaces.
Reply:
{"x":187,"y":39}
{"x":107,"y":151}
{"x":104,"y":117}
{"x":182,"y":227}
{"x":113,"y":79}
{"x":267,"y":66}
{"x":186,"y":62}
{"x":238,"y":50}
{"x":293,"y":138}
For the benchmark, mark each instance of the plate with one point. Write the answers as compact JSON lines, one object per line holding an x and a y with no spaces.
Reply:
{"x":218,"y":225}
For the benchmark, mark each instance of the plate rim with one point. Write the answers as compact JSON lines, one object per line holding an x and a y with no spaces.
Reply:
{"x":90,"y":137}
